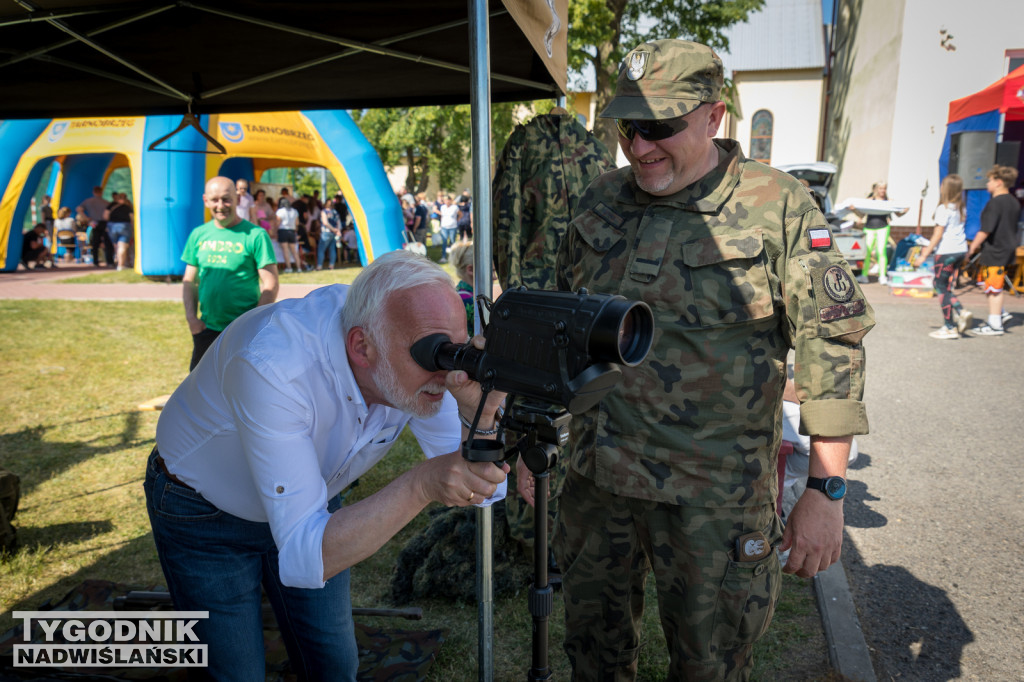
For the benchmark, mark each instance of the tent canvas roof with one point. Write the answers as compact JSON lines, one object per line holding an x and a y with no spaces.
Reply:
{"x":1006,"y":95}
{"x":74,"y":58}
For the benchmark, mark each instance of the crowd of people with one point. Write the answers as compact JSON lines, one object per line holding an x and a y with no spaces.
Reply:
{"x":446,"y":221}
{"x":100,"y":230}
{"x":307,"y":233}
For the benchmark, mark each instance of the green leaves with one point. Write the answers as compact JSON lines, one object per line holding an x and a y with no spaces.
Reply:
{"x":601,"y":32}
{"x":434,"y":142}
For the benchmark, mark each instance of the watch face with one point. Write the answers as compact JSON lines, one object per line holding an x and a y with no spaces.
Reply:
{"x":835,"y":487}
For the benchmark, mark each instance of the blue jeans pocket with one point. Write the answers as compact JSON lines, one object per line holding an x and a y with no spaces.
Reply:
{"x":177,"y":503}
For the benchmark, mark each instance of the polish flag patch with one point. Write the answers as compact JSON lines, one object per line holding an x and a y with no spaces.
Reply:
{"x":821,"y":238}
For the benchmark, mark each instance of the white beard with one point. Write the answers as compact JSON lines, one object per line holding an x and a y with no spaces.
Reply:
{"x":386,"y":380}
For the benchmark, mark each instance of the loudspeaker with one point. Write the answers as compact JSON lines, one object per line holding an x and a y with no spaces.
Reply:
{"x":972,"y":154}
{"x":1008,"y":153}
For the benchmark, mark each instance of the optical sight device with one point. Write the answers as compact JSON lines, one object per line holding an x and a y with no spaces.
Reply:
{"x":551,"y":346}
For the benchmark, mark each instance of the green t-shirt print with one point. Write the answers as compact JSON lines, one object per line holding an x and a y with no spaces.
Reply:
{"x":228,"y":260}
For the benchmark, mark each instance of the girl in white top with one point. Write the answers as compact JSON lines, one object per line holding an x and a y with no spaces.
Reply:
{"x":287,"y":219}
{"x":949,"y":243}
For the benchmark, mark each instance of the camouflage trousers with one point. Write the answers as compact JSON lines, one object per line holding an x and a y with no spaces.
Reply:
{"x":712,"y":607}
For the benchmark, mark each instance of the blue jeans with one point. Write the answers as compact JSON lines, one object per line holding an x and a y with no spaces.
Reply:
{"x":447,"y":238}
{"x":327,"y":243}
{"x":217,"y":562}
{"x":119,"y":232}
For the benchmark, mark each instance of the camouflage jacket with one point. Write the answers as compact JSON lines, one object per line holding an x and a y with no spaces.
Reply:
{"x":543,"y":171}
{"x":738,"y":268}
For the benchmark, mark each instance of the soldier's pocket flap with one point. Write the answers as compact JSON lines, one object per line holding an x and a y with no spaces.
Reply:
{"x":712,"y":250}
{"x":599,"y":227}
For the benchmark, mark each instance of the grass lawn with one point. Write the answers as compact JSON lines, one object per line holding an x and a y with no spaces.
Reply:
{"x":74,"y":373}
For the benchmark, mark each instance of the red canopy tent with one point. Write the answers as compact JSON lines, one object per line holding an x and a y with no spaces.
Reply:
{"x":1006,"y":95}
{"x":997,"y":109}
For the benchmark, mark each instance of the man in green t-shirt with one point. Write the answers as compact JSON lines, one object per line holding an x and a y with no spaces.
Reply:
{"x":230,"y":267}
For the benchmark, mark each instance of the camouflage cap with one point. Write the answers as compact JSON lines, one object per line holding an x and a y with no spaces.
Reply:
{"x":665,"y":79}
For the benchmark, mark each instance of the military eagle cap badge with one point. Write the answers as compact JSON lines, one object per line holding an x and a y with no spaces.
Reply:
{"x":636,"y":64}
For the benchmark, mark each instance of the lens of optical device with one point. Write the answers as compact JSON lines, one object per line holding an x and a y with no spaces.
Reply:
{"x":622,"y":332}
{"x":635,"y":335}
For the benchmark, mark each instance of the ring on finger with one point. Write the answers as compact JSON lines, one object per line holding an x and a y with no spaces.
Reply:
{"x":470,"y":498}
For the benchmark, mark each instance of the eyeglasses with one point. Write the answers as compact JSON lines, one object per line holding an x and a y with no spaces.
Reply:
{"x":652,"y":131}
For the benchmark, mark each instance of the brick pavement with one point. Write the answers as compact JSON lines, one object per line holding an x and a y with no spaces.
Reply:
{"x":43,"y":284}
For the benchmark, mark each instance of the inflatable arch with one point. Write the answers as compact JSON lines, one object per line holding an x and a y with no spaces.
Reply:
{"x":167,"y":182}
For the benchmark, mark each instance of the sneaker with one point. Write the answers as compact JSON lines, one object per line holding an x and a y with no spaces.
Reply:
{"x":986,"y":330}
{"x":443,"y":260}
{"x":863,"y":279}
{"x":883,"y":280}
{"x":1007,"y":317}
{"x":945,"y":333}
{"x":963,"y":321}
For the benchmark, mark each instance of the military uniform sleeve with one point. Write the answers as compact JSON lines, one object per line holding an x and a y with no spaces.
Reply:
{"x":827,"y":317}
{"x":508,"y":210}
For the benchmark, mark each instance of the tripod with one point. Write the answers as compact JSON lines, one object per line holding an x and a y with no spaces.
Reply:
{"x":546,"y":429}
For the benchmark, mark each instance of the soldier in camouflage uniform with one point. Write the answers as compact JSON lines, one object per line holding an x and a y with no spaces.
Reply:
{"x":544,"y":168}
{"x":675,"y":471}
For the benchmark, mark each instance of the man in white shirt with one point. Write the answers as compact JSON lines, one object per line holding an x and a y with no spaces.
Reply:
{"x":292,"y":403}
{"x":244,"y":198}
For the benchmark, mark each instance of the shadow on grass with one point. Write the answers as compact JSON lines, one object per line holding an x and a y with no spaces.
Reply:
{"x":35,"y":458}
{"x":58,"y":533}
{"x":110,"y":566}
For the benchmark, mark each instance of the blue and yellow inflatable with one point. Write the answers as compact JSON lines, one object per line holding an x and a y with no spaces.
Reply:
{"x":168,"y":186}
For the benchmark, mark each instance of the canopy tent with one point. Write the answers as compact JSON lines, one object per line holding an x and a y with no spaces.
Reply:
{"x":76,"y":58}
{"x":998,"y":108}
{"x":167,"y":188}
{"x":91,"y":58}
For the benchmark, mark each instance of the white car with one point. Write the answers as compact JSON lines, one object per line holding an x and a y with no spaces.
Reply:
{"x":819,"y":175}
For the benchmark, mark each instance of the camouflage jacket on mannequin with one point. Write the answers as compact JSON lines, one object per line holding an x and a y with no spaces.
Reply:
{"x":544,"y":169}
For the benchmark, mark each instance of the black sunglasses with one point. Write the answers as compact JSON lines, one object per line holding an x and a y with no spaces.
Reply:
{"x":652,"y":131}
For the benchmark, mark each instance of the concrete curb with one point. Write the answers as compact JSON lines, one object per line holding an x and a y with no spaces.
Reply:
{"x":847,"y":649}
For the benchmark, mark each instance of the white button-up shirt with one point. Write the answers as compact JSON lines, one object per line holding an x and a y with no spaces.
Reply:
{"x":271,"y":425}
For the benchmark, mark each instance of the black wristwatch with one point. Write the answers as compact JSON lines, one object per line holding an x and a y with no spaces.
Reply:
{"x":834,"y":487}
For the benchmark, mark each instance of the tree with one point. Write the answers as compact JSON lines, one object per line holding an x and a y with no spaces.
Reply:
{"x":432,"y":141}
{"x":601,"y":32}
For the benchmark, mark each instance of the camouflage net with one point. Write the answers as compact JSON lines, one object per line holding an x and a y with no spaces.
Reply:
{"x":441,"y":560}
{"x":384,"y":654}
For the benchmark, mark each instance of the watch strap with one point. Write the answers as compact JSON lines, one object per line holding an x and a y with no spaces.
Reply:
{"x":822,"y":485}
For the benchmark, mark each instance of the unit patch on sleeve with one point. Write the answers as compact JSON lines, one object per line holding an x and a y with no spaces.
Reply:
{"x":821,"y":238}
{"x":838,"y":284}
{"x":842,"y":310}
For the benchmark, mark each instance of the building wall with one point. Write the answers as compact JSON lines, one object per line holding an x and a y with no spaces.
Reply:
{"x":861,"y":103}
{"x":794,"y":97}
{"x":892,"y":84}
{"x":931,"y":76}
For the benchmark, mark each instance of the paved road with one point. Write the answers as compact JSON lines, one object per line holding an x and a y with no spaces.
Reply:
{"x":936,"y":503}
{"x":935,"y":512}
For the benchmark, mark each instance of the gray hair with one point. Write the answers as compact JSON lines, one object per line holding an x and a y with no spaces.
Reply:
{"x":392,"y":272}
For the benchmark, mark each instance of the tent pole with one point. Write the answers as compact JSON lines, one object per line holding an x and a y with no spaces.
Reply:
{"x":480,"y":113}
